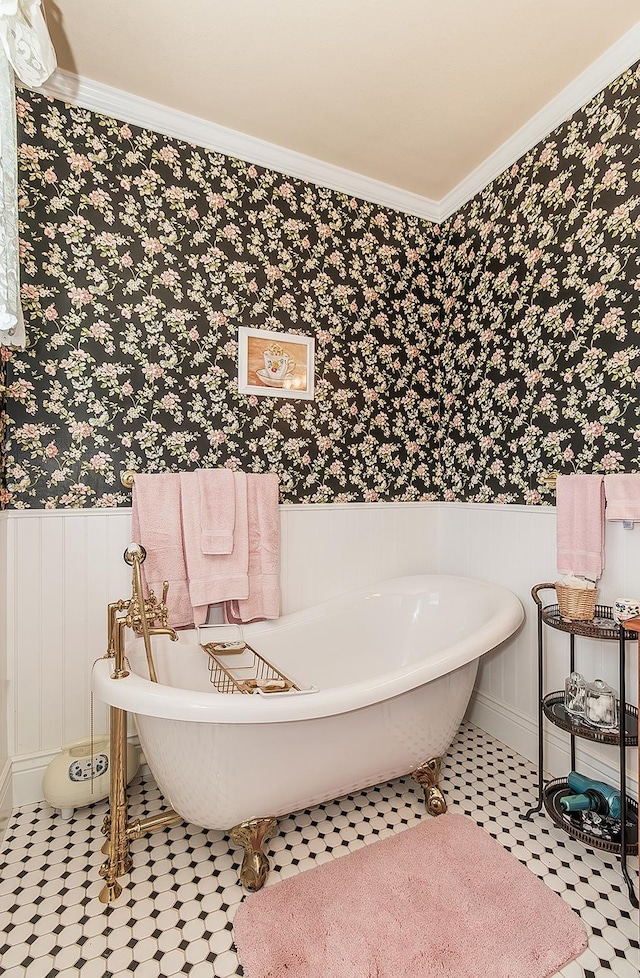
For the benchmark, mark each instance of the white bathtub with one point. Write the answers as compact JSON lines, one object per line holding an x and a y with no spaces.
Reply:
{"x":394,"y":666}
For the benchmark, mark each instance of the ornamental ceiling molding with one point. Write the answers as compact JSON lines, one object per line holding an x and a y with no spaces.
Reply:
{"x":88,"y":94}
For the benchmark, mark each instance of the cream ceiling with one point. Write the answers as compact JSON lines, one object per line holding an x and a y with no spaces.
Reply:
{"x":412,"y":93}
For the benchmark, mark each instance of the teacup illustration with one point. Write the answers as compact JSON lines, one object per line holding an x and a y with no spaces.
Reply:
{"x":277,"y":363}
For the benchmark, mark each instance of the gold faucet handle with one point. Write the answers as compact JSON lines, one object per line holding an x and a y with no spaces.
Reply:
{"x":163,"y":610}
{"x":135,"y":551}
{"x":144,"y":612}
{"x":157,"y":610}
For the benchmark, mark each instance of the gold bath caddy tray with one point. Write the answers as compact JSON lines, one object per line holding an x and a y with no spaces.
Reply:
{"x":244,"y":670}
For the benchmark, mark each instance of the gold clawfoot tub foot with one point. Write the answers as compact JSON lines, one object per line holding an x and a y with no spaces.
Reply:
{"x":427,"y":776}
{"x":251,"y":835}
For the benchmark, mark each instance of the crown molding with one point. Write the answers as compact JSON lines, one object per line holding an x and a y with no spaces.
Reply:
{"x":581,"y":90}
{"x":92,"y":95}
{"x":113,"y":102}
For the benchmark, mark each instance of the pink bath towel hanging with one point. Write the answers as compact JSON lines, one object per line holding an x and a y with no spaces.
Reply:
{"x":156,"y":524}
{"x":217,"y":510}
{"x":622,"y":494}
{"x":580,"y":525}
{"x":263,"y":600}
{"x":214,"y":578}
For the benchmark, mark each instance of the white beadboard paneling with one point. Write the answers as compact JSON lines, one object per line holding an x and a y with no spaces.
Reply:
{"x":416,"y":540}
{"x":507,"y":545}
{"x":79,"y":573}
{"x":53,"y":583}
{"x":8,"y":630}
{"x":27,"y":653}
{"x":327,"y":550}
{"x":4,"y":684}
{"x":61,"y":569}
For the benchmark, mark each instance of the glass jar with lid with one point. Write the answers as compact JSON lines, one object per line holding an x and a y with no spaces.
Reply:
{"x":600,"y":706}
{"x":574,"y":693}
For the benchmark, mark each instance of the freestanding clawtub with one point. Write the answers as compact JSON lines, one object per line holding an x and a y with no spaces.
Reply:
{"x":385,"y":674}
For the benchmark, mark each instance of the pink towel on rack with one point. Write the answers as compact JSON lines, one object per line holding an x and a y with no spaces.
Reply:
{"x":214,"y":578}
{"x":622,"y":493}
{"x":580,"y":525}
{"x":156,"y":524}
{"x":217,"y":510}
{"x":263,"y":600}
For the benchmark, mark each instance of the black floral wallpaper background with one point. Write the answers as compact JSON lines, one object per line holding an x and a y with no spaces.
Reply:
{"x":538,"y":360}
{"x":142,"y":256}
{"x":452,"y":362}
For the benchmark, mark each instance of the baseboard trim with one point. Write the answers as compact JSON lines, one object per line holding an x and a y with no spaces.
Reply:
{"x":520,"y":734}
{"x":27,"y":772}
{"x":6,"y":797}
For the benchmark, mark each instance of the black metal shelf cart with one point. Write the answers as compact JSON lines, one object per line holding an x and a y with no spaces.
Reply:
{"x":551,"y":707}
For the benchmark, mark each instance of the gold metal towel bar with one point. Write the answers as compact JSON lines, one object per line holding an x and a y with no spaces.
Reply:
{"x":547,"y":481}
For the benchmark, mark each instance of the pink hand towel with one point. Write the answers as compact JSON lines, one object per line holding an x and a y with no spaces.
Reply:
{"x":263,"y":600}
{"x":156,"y":524}
{"x":622,"y":492}
{"x":214,"y":578}
{"x":217,"y":510}
{"x":580,"y":525}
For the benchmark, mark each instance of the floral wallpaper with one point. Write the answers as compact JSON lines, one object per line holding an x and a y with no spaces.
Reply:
{"x":538,"y":354}
{"x":142,"y":256}
{"x":453,"y":362}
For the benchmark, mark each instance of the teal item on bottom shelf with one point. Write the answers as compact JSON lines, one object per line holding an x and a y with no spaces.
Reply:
{"x":580,"y":785}
{"x":592,"y":801}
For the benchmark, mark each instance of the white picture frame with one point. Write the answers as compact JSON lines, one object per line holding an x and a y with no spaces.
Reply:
{"x":274,"y":364}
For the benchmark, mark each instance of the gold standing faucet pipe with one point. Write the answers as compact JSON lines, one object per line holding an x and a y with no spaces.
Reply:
{"x":141,"y":615}
{"x":141,"y":612}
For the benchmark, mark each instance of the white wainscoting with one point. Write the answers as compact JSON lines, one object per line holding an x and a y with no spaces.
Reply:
{"x":515,"y":546}
{"x":61,"y":569}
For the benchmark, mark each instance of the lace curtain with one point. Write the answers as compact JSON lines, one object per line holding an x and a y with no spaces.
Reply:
{"x":26,"y":51}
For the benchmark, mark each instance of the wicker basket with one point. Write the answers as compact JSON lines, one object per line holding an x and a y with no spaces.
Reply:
{"x":577,"y":604}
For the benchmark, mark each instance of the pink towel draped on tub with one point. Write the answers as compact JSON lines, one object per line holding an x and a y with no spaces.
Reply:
{"x":156,"y":524}
{"x":622,"y":492}
{"x":263,"y":600}
{"x":580,"y":525}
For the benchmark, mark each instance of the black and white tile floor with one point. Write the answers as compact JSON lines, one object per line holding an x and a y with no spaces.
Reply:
{"x":175,"y":914}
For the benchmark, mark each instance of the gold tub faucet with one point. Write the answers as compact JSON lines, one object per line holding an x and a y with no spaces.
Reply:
{"x":147,"y":617}
{"x":143,"y":613}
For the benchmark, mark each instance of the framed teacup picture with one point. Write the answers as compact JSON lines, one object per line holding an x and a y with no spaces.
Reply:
{"x":276,"y":364}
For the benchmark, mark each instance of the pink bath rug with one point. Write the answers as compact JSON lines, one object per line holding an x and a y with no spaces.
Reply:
{"x":440,"y":900}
